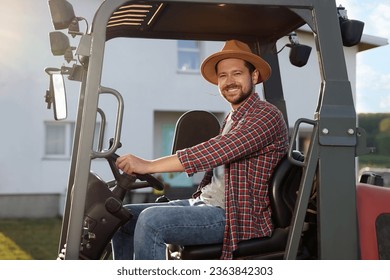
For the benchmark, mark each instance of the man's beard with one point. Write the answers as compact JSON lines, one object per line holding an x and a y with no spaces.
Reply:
{"x":239,"y":98}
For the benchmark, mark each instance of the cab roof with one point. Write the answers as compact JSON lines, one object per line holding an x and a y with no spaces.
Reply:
{"x":202,"y":21}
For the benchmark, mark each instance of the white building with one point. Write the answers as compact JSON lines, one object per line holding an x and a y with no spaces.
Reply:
{"x":156,"y":85}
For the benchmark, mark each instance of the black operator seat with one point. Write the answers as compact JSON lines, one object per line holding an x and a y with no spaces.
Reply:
{"x":283,"y":192}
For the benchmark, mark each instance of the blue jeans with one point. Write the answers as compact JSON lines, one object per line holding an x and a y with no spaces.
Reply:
{"x":180,"y":222}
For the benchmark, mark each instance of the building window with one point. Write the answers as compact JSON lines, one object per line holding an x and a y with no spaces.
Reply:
{"x":164,"y":130}
{"x":188,"y":55}
{"x":58,"y":139}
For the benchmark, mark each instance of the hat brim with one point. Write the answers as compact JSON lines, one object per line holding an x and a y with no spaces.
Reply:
{"x":208,"y":66}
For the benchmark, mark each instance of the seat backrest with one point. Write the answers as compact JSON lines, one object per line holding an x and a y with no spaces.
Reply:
{"x":194,"y":127}
{"x":283,"y":189}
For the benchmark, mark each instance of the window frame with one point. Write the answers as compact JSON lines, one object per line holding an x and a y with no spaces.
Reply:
{"x":188,"y":50}
{"x":69,"y":127}
{"x":68,"y":139}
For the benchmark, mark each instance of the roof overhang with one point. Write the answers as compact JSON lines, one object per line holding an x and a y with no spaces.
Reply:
{"x":367,"y":42}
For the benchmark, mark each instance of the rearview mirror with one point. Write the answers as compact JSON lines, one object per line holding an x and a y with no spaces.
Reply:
{"x":57,"y":89}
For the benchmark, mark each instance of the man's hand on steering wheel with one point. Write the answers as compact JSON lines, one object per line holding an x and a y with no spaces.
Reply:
{"x":132,"y":164}
{"x":127,"y":180}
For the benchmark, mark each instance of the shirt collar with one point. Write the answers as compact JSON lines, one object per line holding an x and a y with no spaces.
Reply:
{"x":249,"y":102}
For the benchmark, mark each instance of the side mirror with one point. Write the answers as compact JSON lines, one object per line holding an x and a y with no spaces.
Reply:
{"x":56,"y":95}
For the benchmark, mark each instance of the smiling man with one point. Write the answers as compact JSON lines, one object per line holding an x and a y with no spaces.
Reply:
{"x":231,"y":203}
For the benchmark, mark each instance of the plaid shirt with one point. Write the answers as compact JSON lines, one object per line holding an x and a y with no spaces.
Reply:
{"x":252,"y":148}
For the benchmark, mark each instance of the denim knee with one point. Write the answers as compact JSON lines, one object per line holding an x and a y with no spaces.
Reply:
{"x":148,"y":219}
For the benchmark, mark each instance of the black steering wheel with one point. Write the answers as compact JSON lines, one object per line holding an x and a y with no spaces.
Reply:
{"x":128,"y":182}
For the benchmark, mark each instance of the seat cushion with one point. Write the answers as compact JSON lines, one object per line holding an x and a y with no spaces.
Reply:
{"x":252,"y":247}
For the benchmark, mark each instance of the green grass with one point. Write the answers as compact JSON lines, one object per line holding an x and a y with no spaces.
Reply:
{"x":37,"y":237}
{"x":374,"y":160}
{"x":10,"y":251}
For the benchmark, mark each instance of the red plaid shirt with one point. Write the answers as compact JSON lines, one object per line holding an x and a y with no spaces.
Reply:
{"x":251,"y":149}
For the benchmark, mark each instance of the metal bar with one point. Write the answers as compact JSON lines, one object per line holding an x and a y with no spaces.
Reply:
{"x":118,"y":125}
{"x":101,"y":129}
{"x":337,"y":140}
{"x":298,"y":219}
{"x":86,"y":125}
{"x":337,"y":217}
{"x":273,"y":89}
{"x":76,"y":138}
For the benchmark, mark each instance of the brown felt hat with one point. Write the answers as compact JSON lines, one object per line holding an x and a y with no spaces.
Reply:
{"x":234,"y":49}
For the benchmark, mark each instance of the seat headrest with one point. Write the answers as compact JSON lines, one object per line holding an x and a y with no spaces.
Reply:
{"x":194,"y":127}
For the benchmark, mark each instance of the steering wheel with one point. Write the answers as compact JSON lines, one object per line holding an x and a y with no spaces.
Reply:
{"x":153,"y":181}
{"x":128,"y":182}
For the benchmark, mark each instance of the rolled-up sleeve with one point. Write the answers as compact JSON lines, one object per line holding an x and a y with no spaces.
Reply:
{"x":198,"y":158}
{"x":186,"y":162}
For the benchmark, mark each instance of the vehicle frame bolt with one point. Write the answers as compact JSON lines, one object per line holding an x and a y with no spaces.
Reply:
{"x":325,"y":131}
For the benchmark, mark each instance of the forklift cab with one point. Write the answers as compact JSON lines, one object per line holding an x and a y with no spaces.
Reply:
{"x":335,"y":141}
